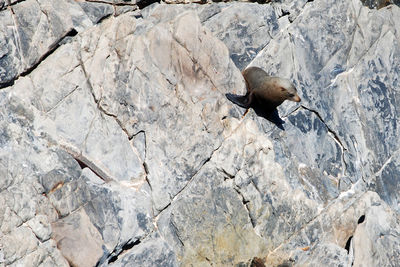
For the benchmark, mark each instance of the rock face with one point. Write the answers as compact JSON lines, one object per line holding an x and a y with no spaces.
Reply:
{"x":119,"y":147}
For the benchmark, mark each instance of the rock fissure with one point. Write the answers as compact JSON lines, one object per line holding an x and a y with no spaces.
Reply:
{"x":226,"y":174}
{"x":375,"y":43}
{"x":293,"y":111}
{"x":176,"y":232}
{"x":334,"y":136}
{"x":348,"y":244}
{"x":244,"y":202}
{"x":189,"y":182}
{"x":212,"y":15}
{"x":52,"y":48}
{"x":387,"y":161}
{"x":113,"y":3}
{"x":98,"y":103}
{"x":124,"y":248}
{"x":85,"y":162}
{"x":9,"y":4}
{"x":61,"y":100}
{"x":256,"y":187}
{"x":43,"y":12}
{"x":144,"y":3}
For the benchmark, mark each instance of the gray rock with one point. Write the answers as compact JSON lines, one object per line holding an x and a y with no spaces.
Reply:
{"x":18,"y":243}
{"x":30,"y":30}
{"x":119,"y":147}
{"x":40,"y":227}
{"x":378,"y":234}
{"x":153,"y":251}
{"x":244,"y":34}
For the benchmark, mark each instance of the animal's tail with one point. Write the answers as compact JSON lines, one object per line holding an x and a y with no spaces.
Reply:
{"x":240,"y":100}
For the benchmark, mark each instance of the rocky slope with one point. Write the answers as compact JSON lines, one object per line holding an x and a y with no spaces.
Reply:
{"x":118,"y":146}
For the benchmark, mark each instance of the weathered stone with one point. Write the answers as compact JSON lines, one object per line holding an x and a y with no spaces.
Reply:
{"x":40,"y":227}
{"x":149,"y":252}
{"x":377,"y":234}
{"x":122,"y":139}
{"x":78,"y":239}
{"x":30,"y":30}
{"x":46,"y":254}
{"x":244,"y":34}
{"x":17,"y":244}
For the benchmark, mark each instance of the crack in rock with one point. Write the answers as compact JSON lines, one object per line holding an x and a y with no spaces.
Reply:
{"x":176,"y":232}
{"x":98,"y":102}
{"x":333,"y":134}
{"x":195,"y":62}
{"x":9,"y":4}
{"x":188,"y":183}
{"x":113,"y":256}
{"x":85,"y":162}
{"x":244,"y":201}
{"x":114,"y":3}
{"x":52,"y":48}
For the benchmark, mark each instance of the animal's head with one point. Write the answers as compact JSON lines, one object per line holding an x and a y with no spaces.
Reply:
{"x":288,"y":90}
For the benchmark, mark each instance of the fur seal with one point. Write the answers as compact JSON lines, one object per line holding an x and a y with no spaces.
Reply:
{"x":264,"y":91}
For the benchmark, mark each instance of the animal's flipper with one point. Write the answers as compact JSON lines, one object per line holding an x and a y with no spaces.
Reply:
{"x":243,"y":101}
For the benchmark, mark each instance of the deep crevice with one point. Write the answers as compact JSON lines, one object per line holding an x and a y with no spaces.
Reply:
{"x":84,"y":165}
{"x":52,"y":48}
{"x":226,"y":174}
{"x":284,"y":13}
{"x":348,"y":243}
{"x":7,"y":84}
{"x":361,"y":219}
{"x":9,"y":4}
{"x":81,"y":164}
{"x":146,"y":170}
{"x":103,"y":18}
{"x":145,"y":3}
{"x":124,"y":248}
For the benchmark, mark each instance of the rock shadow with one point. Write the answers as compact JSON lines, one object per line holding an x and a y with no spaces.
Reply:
{"x":271,"y":115}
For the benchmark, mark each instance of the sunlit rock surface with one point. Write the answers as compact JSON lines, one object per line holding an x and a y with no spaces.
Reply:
{"x":119,"y":147}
